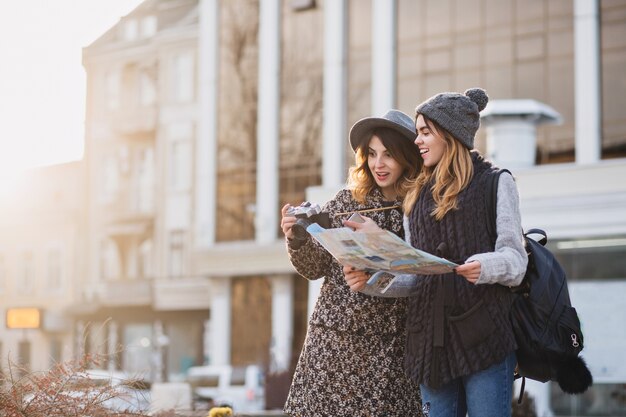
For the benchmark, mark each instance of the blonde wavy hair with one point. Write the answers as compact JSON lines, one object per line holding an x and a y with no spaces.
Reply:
{"x":451,"y":175}
{"x":361,"y":181}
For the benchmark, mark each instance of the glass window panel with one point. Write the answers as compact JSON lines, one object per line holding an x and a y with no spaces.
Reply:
{"x":55,"y":269}
{"x":597,"y":258}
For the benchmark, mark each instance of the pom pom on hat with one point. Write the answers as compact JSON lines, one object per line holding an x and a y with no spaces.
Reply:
{"x":458,"y":114}
{"x":478,"y":96}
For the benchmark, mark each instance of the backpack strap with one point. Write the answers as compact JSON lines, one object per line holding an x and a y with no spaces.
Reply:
{"x":540,"y":232}
{"x":492,"y":202}
{"x":492,"y":211}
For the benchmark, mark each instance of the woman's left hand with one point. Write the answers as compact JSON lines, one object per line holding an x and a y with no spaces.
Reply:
{"x":355,"y":278}
{"x":470,"y":271}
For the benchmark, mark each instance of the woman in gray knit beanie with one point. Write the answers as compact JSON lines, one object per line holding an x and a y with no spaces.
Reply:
{"x":460,"y":346}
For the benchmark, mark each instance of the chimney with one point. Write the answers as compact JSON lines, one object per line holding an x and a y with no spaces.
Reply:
{"x":512,"y":130}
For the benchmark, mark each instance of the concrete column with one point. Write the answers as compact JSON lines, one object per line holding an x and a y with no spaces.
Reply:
{"x":314,"y":292}
{"x":206,"y":139}
{"x":157,"y":364}
{"x":79,"y":339}
{"x":220,"y":321}
{"x":384,"y":55}
{"x":335,"y":93}
{"x":587,"y":81}
{"x":282,"y":322}
{"x":267,"y":210}
{"x":206,"y":342}
{"x":335,"y":139}
{"x":112,"y":346}
{"x":132,"y":257}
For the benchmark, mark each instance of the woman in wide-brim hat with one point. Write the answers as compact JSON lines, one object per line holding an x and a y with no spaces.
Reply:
{"x":351,"y":362}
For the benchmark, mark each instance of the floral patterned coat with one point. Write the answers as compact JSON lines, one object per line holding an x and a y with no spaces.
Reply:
{"x":352,"y":360}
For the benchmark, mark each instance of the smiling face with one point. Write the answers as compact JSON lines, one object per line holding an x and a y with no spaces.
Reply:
{"x":431,"y":143}
{"x":384,"y":168}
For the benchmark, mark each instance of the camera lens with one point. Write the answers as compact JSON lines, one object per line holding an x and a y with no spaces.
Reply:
{"x":299,"y":229}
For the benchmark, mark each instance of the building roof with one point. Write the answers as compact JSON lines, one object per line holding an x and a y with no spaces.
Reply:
{"x":146,"y":20}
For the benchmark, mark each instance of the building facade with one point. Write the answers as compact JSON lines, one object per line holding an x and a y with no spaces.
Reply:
{"x":205,"y":117}
{"x":42,"y":234}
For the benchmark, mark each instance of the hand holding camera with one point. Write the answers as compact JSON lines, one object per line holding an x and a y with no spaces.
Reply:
{"x":305,"y":214}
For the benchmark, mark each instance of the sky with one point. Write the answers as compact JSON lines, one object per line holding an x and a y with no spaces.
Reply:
{"x":42,"y":80}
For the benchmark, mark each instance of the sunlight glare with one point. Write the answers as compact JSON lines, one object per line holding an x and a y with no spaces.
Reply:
{"x":11,"y":171}
{"x":42,"y":81}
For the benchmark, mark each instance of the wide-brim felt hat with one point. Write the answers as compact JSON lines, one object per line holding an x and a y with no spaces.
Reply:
{"x":393,"y":119}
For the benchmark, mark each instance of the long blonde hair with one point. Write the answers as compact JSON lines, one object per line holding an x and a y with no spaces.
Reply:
{"x":451,"y":175}
{"x":361,"y":181}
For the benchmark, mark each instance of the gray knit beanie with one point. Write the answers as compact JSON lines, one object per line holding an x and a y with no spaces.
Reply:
{"x":456,"y":113}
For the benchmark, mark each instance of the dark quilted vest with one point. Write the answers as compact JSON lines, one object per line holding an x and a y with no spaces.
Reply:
{"x":474,"y":330}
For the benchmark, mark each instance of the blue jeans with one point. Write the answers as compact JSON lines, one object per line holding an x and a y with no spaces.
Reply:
{"x":486,"y":393}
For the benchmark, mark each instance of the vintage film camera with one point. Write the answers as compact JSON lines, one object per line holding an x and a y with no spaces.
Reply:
{"x":306,"y":214}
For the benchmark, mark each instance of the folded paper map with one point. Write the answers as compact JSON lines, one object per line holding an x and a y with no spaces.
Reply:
{"x":378,"y":251}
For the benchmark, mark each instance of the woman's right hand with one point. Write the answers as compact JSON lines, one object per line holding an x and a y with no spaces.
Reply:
{"x":367,"y":225}
{"x":287,"y":221}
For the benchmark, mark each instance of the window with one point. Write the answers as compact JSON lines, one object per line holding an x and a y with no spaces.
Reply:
{"x":24,"y":357}
{"x":56,"y":352}
{"x":613,"y":61}
{"x":236,"y":195}
{"x":182,"y":77}
{"x":130,"y":30}
{"x":3,"y":274}
{"x":592,"y":258}
{"x":148,"y":26}
{"x":138,"y":350}
{"x":109,"y":260}
{"x":110,"y":178}
{"x":180,"y":165}
{"x":26,"y":278}
{"x":144,"y":181}
{"x":177,"y":253}
{"x":147,"y":91}
{"x":130,"y":87}
{"x":112,"y":82}
{"x":54,"y":269}
{"x":145,"y":259}
{"x":602,"y":399}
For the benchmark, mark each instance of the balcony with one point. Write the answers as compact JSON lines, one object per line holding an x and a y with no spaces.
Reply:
{"x":125,"y":293}
{"x":130,"y":204}
{"x":184,"y":293}
{"x":225,"y":259}
{"x":135,"y":121}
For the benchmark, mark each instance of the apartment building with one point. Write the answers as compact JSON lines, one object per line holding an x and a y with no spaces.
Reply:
{"x":42,"y":232}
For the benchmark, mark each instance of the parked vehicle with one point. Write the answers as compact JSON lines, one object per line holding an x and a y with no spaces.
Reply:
{"x":89,"y":391}
{"x":127,"y":393}
{"x":240,"y":387}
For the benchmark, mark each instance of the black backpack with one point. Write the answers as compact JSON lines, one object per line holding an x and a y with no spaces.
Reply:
{"x":546,"y":326}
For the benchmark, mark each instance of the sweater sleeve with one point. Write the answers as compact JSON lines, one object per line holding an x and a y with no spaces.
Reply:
{"x":311,"y":260}
{"x":507,"y":264}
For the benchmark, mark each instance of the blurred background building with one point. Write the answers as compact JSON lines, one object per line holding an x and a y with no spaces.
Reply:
{"x":204,"y":117}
